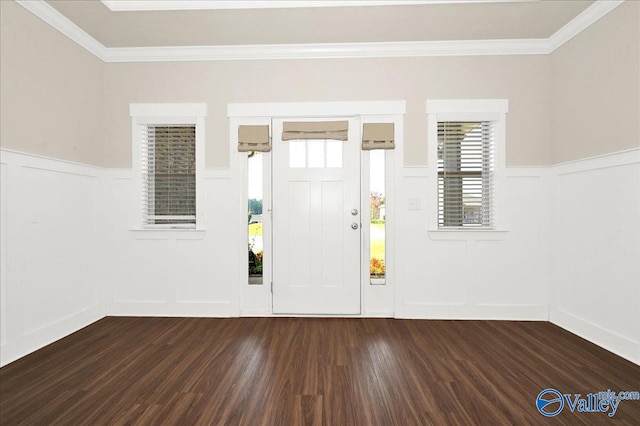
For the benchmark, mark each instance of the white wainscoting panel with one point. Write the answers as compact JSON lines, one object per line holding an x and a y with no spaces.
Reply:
{"x":173,"y":273}
{"x":3,"y":254}
{"x":143,"y":272}
{"x":567,"y":250}
{"x":517,"y":279}
{"x":596,"y":251}
{"x":474,"y":275}
{"x":52,"y":256}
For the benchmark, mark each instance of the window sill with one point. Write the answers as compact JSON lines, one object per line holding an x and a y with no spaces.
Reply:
{"x":167,"y":234}
{"x":467,"y":234}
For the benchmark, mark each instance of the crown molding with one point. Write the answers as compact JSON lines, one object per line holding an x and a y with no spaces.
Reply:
{"x":581,"y":22}
{"x":57,"y":20}
{"x":321,"y":50}
{"x":147,"y":5}
{"x":328,"y":51}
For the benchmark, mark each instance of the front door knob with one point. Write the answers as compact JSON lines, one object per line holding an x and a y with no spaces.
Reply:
{"x":354,"y":225}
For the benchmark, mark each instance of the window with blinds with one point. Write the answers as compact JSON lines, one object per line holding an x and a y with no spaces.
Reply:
{"x":168,"y":166}
{"x":466,"y":168}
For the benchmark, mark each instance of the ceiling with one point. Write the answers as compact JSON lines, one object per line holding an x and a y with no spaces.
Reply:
{"x":433,"y":21}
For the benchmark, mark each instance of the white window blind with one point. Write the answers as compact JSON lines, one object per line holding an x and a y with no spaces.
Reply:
{"x":168,"y":166}
{"x":466,"y":167}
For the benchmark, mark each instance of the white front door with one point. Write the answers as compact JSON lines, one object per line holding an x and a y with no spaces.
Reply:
{"x":316,"y":224}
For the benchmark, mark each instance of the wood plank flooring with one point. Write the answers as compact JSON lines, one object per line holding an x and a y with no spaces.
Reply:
{"x":310,"y":371}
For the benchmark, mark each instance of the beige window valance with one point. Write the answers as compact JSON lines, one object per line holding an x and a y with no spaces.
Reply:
{"x":378,"y":136}
{"x":254,"y":138}
{"x":315,"y":130}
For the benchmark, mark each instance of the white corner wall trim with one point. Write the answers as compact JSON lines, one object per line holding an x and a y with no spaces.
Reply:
{"x":321,"y":50}
{"x":610,"y":341}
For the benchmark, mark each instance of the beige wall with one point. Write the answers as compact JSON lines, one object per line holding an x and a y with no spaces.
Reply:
{"x":595,"y":88}
{"x":51,"y":91}
{"x":60,"y":101}
{"x":524,"y":80}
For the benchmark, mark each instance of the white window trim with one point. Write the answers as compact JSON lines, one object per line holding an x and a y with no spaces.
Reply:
{"x":366,"y":111}
{"x":168,"y":113}
{"x":242,"y":175}
{"x":390,"y":167}
{"x":460,"y":110}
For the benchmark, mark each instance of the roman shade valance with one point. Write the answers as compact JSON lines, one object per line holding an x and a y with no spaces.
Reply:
{"x":378,"y":136}
{"x":315,"y":130}
{"x":254,"y":138}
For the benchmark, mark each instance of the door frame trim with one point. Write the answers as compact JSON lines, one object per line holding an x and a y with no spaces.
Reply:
{"x":376,"y":301}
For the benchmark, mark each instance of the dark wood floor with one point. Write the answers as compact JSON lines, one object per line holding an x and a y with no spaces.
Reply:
{"x":290,"y":371}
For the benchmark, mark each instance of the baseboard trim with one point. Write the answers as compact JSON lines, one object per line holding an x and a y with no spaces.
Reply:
{"x":46,"y":335}
{"x":265,"y":314}
{"x":221,"y":309}
{"x":619,"y":345}
{"x":475,"y":312}
{"x":255,"y":313}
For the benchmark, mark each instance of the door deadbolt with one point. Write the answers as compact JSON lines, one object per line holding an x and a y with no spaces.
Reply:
{"x":354,"y":212}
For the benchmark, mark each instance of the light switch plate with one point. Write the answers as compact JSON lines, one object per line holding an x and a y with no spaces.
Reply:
{"x":414,"y":204}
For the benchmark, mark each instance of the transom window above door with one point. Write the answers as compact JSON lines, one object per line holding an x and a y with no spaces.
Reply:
{"x":315,"y":144}
{"x":315,"y":154}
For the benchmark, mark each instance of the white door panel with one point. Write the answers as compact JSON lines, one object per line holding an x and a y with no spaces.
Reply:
{"x":316,"y":252}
